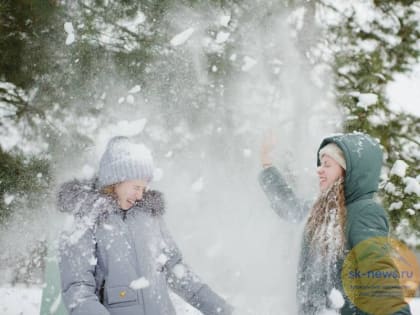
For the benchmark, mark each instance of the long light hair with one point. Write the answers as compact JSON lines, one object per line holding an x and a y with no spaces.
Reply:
{"x":325,"y":228}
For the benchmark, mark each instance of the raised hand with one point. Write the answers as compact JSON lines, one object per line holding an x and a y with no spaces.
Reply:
{"x":267,"y":148}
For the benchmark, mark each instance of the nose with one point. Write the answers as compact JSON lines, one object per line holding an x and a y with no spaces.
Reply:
{"x":319,"y":170}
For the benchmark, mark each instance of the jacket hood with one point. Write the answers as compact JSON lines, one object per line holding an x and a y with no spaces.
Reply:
{"x":81,"y":198}
{"x":363,"y":157}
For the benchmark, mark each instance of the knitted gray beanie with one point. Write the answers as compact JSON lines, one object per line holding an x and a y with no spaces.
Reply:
{"x":124,"y":160}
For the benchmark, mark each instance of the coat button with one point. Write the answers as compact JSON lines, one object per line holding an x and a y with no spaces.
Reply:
{"x":122,"y":294}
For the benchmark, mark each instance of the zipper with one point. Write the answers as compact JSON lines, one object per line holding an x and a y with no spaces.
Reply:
{"x":133,"y":246}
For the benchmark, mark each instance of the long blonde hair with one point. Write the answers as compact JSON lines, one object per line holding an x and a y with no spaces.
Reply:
{"x":325,"y":228}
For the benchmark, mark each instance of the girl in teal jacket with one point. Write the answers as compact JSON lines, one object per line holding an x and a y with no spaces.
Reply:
{"x":343,"y":216}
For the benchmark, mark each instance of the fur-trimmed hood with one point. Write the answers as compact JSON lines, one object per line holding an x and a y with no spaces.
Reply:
{"x":81,"y":198}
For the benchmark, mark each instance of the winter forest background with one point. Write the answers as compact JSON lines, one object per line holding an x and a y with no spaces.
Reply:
{"x":199,"y":82}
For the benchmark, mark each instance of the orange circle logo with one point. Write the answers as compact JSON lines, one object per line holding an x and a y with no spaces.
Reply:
{"x":380,"y":274}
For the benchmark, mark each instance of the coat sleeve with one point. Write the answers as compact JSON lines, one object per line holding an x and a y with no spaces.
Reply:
{"x":77,"y":263}
{"x":371,"y":227}
{"x":183,"y":281}
{"x":281,"y":196}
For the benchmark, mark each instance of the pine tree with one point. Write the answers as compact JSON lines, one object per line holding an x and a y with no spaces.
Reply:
{"x":24,"y":30}
{"x":369,"y":54}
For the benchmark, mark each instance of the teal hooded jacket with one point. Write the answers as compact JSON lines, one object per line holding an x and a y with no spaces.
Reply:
{"x":365,"y":220}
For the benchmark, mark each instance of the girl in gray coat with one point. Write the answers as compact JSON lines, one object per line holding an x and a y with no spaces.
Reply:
{"x":120,"y":259}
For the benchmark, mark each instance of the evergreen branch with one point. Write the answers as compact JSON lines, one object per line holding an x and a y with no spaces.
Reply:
{"x":348,"y":78}
{"x":122,"y":28}
{"x":410,"y":139}
{"x":15,"y":103}
{"x":329,"y":6}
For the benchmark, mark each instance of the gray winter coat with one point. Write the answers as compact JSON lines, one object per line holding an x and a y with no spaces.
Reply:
{"x":121,"y":262}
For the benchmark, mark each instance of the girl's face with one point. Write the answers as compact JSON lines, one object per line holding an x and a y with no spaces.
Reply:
{"x":128,"y":192}
{"x":328,"y":172}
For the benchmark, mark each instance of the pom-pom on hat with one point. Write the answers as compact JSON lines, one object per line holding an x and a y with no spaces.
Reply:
{"x":124,"y":160}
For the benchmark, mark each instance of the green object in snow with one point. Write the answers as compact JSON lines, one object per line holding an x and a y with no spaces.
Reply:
{"x":51,"y":303}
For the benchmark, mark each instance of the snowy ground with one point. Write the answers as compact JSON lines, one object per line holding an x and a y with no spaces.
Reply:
{"x":21,"y":300}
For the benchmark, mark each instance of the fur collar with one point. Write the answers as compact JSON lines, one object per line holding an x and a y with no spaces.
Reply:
{"x":81,"y":198}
